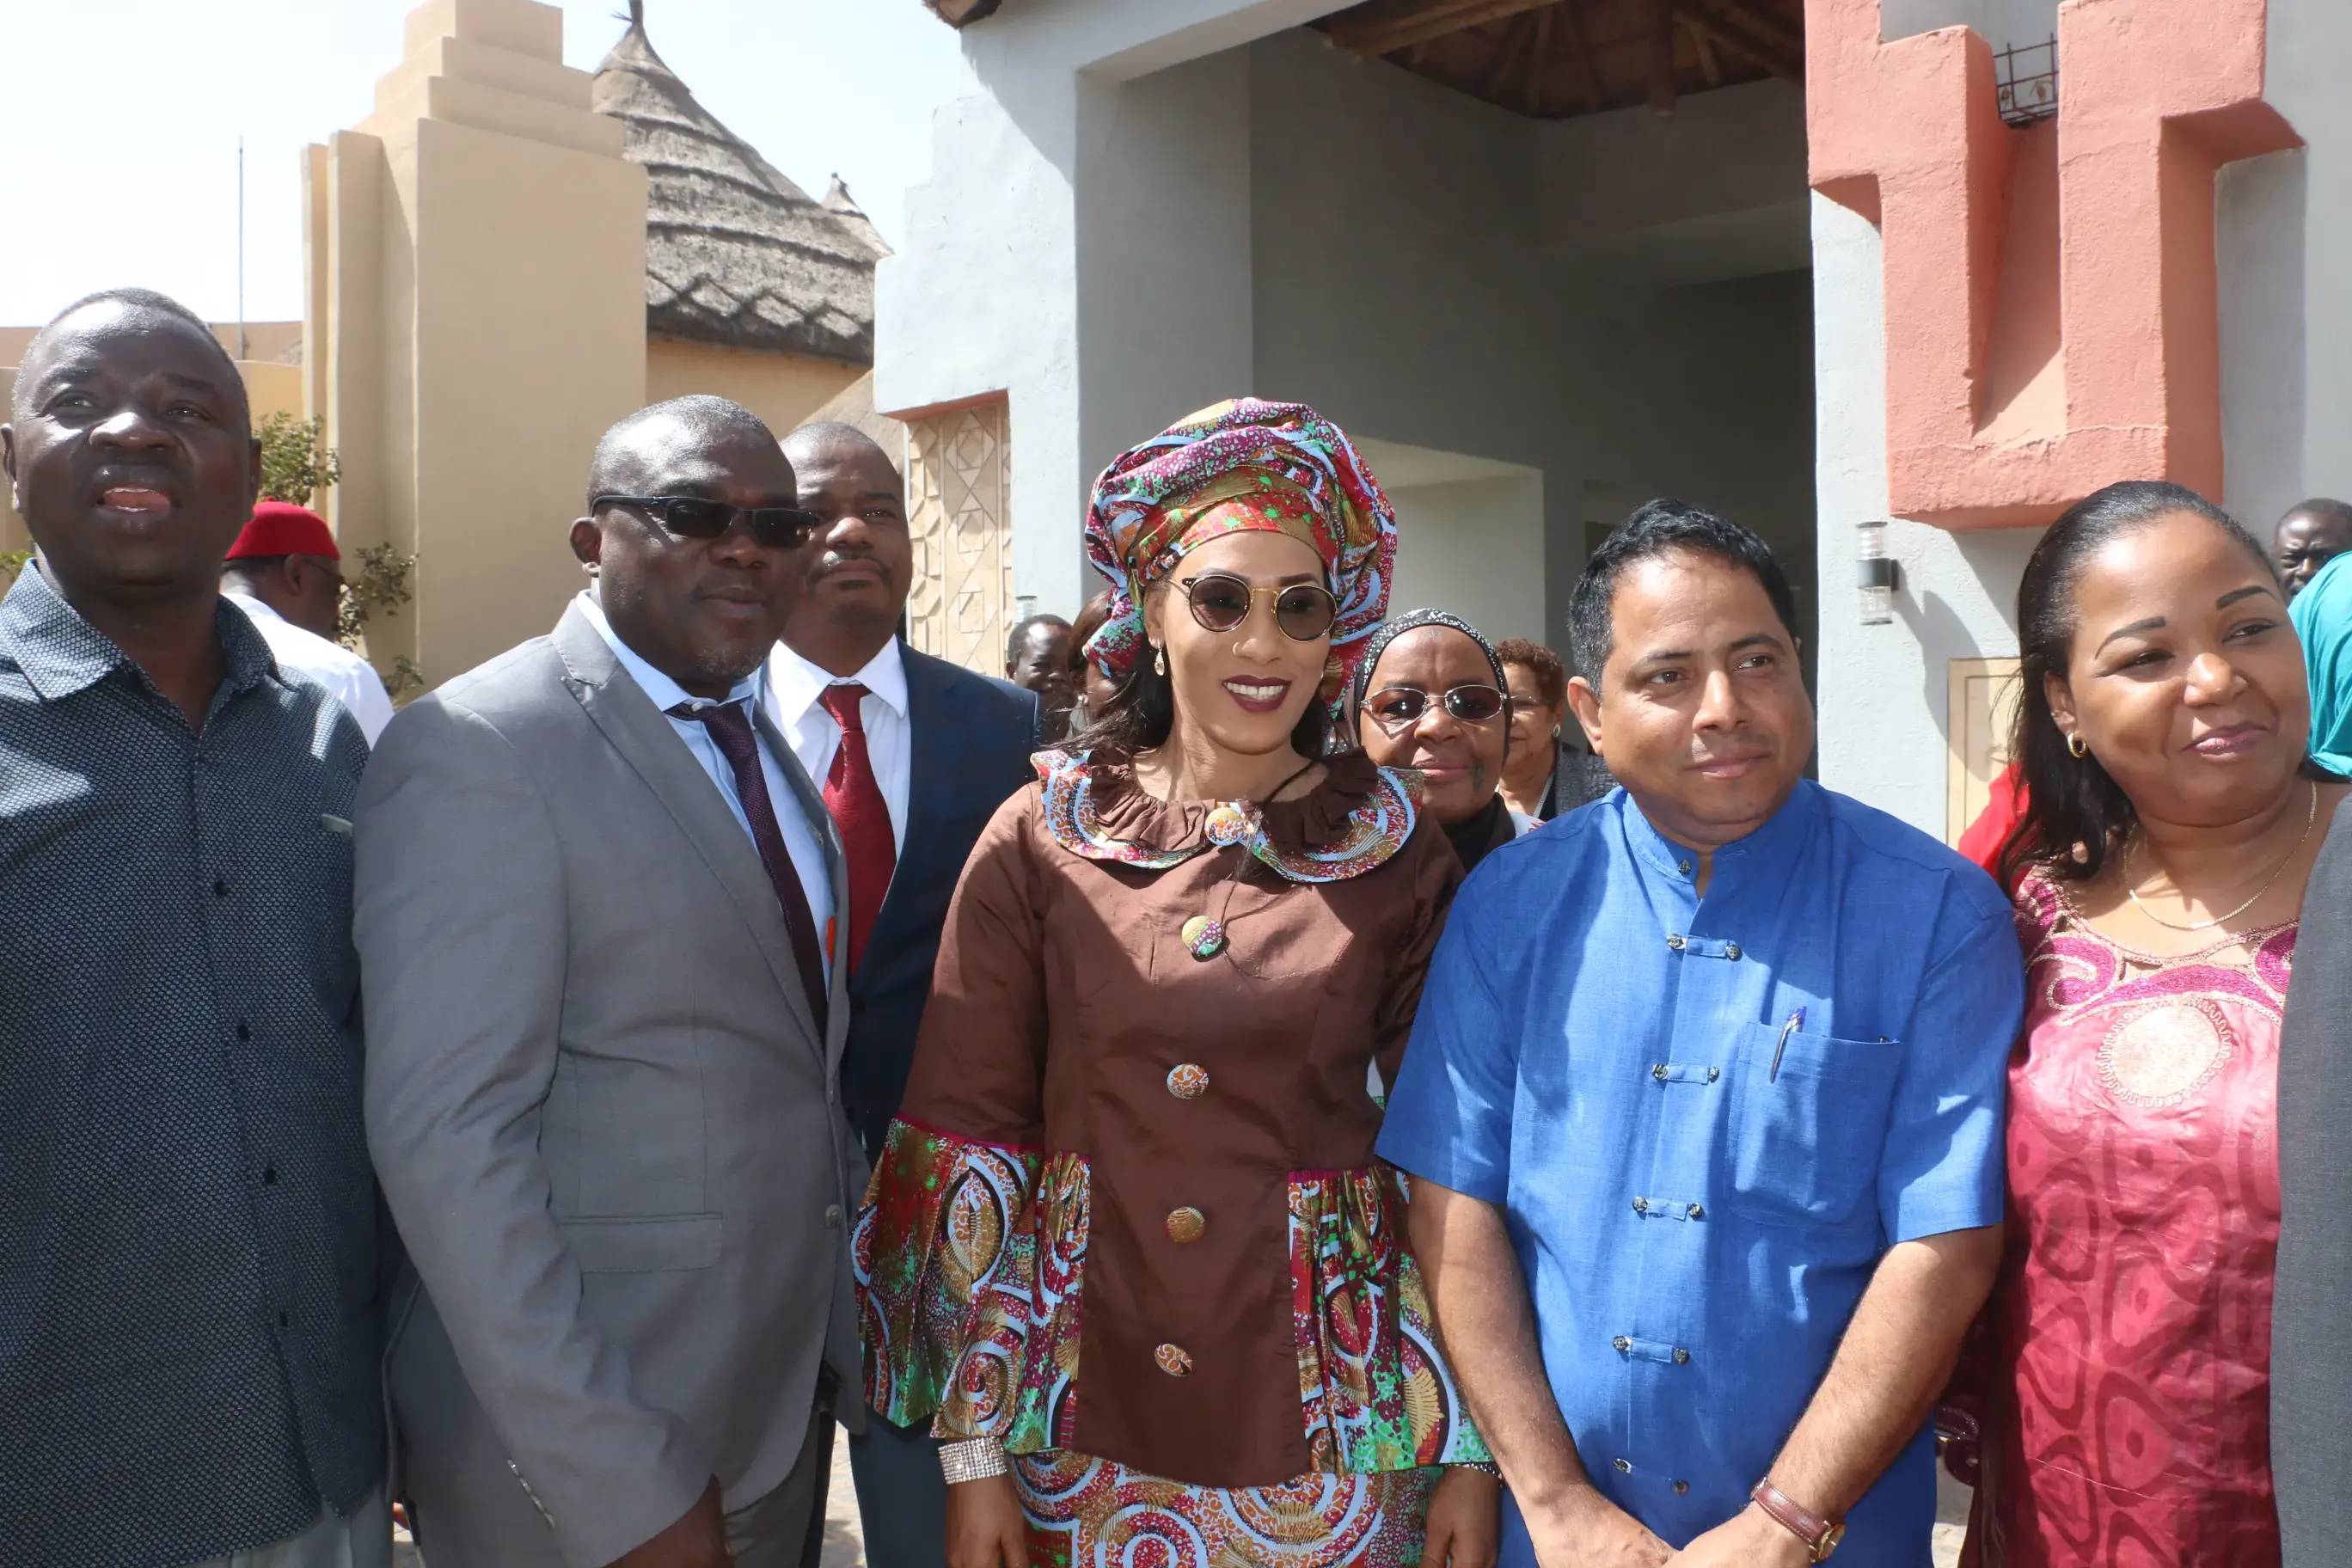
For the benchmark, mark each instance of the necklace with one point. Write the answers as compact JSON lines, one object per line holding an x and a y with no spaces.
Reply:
{"x":2310,"y":817}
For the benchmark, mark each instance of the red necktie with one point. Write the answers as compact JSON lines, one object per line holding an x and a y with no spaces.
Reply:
{"x":854,"y":797}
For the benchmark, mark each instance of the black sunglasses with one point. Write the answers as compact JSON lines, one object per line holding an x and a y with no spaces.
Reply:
{"x":1394,"y":707}
{"x":1220,"y":602}
{"x":694,"y":517}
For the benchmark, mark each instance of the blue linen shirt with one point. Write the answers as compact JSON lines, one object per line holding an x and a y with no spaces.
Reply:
{"x":192,"y":1261}
{"x":1595,"y":1054}
{"x":800,"y":839}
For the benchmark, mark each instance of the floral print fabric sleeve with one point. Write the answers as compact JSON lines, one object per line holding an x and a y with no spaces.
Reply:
{"x":948,"y":1234}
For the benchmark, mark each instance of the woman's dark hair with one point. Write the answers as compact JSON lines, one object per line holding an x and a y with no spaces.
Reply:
{"x":1551,"y":675}
{"x":1090,"y":621}
{"x":1140,"y":715}
{"x":2070,"y":800}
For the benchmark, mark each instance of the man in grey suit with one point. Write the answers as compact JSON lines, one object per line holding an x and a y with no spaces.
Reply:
{"x":593,"y":889}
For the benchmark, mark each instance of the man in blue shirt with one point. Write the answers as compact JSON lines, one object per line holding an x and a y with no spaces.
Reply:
{"x":1704,"y":1098}
{"x":192,"y":1269}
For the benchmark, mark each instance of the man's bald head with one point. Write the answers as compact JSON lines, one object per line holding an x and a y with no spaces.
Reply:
{"x":2309,"y":536}
{"x":637,"y":445}
{"x":130,"y":310}
{"x":828,"y":439}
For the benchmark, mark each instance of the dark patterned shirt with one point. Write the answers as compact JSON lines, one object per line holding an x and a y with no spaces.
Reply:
{"x":189,"y":1262}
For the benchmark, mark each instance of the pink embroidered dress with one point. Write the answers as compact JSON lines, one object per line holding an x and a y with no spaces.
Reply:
{"x":2127,"y":1421}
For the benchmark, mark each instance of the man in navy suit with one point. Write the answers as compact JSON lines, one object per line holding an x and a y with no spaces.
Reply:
{"x":914,"y":756}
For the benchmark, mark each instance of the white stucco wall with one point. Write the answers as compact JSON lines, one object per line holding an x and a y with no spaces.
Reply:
{"x":1468,"y":547}
{"x":2287,"y":400}
{"x":1120,"y":230}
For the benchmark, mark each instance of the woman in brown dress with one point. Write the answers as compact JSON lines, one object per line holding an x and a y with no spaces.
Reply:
{"x":1127,"y":1250}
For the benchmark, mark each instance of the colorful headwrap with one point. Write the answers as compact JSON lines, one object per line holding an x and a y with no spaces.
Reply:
{"x":1294,"y":471}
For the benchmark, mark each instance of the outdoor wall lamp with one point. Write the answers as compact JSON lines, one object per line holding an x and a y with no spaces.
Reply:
{"x":1876,"y":573}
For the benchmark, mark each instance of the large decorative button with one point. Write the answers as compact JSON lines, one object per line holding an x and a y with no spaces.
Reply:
{"x":1186,"y":1224}
{"x":1228,"y":824}
{"x":1186,"y":1081}
{"x":1675,"y":942}
{"x":1621,"y":1344}
{"x":1204,"y":937}
{"x":1173,"y":1360}
{"x":1624,"y":1467}
{"x":1731,"y":950}
{"x":1641,"y":1205}
{"x":1697,"y":1211}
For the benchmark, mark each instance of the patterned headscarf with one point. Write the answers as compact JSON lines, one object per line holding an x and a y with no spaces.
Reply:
{"x":1294,"y":471}
{"x":1387,"y":632}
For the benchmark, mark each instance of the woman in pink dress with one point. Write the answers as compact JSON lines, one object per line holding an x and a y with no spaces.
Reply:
{"x":2124,"y":1384}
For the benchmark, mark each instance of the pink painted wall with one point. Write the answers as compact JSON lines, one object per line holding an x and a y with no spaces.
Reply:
{"x":2050,"y":292}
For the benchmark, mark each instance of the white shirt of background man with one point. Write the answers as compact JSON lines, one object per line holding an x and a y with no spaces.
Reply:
{"x":349,"y":679}
{"x":794,"y":685}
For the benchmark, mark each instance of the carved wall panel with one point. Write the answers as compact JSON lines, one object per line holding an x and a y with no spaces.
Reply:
{"x":958,"y":471}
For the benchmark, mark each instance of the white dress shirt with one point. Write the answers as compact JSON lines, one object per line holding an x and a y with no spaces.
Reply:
{"x":800,"y":837}
{"x":794,"y":685}
{"x":349,"y":679}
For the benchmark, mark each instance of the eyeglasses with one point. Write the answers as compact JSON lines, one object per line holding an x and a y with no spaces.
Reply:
{"x":694,"y":517}
{"x":1395,"y":707}
{"x":1220,"y":602}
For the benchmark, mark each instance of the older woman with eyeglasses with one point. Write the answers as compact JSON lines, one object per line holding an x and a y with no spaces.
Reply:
{"x":1431,"y":695}
{"x":1127,"y":1250}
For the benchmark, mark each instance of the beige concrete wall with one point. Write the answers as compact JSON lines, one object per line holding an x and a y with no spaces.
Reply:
{"x":784,"y":390}
{"x":474,"y":348}
{"x":275,"y":343}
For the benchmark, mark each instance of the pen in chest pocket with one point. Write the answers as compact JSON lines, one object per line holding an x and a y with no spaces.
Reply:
{"x":1796,"y":1022}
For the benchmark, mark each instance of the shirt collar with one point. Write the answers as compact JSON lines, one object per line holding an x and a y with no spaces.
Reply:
{"x":253,"y":607}
{"x":799,"y":683}
{"x":61,"y":653}
{"x":666,"y":693}
{"x":1782,"y":832}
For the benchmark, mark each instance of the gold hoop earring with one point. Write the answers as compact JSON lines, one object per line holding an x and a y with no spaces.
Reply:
{"x":2077,"y":744}
{"x":1158,"y":661}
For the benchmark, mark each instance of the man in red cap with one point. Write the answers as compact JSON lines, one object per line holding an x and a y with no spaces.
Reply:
{"x":285,"y":573}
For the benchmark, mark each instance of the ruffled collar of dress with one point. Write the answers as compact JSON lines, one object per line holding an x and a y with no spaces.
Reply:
{"x":1355,"y":819}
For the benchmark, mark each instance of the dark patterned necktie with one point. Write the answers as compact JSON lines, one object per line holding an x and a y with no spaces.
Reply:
{"x":854,"y":798}
{"x":731,"y":727}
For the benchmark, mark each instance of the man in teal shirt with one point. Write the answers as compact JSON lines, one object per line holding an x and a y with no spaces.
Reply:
{"x":1704,"y":1098}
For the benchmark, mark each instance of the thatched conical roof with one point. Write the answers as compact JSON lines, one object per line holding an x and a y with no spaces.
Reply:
{"x":844,"y":206}
{"x":736,"y":254}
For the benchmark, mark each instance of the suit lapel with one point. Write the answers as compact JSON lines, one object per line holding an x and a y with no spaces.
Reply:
{"x":627,"y":718}
{"x":934,"y":758}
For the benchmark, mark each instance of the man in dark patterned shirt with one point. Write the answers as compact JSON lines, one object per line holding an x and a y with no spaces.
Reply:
{"x":190,"y":1313}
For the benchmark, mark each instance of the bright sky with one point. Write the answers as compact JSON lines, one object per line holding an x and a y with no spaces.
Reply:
{"x":126,"y":115}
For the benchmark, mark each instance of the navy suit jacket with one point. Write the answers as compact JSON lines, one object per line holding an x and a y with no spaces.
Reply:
{"x":971,"y":740}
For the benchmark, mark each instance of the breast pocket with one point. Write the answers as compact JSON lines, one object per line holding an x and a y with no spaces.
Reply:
{"x":1806,"y":1139}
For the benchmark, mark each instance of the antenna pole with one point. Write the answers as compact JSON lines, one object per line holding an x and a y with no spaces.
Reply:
{"x":242,"y":353}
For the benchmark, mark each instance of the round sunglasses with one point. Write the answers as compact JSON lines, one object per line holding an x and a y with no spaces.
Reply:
{"x":697,"y":517}
{"x":1220,"y":602}
{"x":1395,"y":707}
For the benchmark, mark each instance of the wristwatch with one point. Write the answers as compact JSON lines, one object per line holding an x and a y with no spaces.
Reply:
{"x":1819,"y":1535}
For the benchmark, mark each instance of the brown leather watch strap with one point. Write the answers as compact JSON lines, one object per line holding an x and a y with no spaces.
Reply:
{"x":1819,"y":1535}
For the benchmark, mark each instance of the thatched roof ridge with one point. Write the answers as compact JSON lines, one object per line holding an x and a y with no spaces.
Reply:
{"x":736,"y":254}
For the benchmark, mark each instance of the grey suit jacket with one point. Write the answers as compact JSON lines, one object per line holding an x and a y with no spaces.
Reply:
{"x":597,"y":1098}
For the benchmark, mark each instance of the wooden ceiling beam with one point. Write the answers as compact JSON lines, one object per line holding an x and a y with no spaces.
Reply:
{"x":1702,"y":18}
{"x":1510,"y":55}
{"x":1662,"y":56}
{"x":1767,"y":25}
{"x":1707,"y":66}
{"x":1540,"y":60}
{"x":960,"y":14}
{"x":1383,"y":26}
{"x":1588,"y":74}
